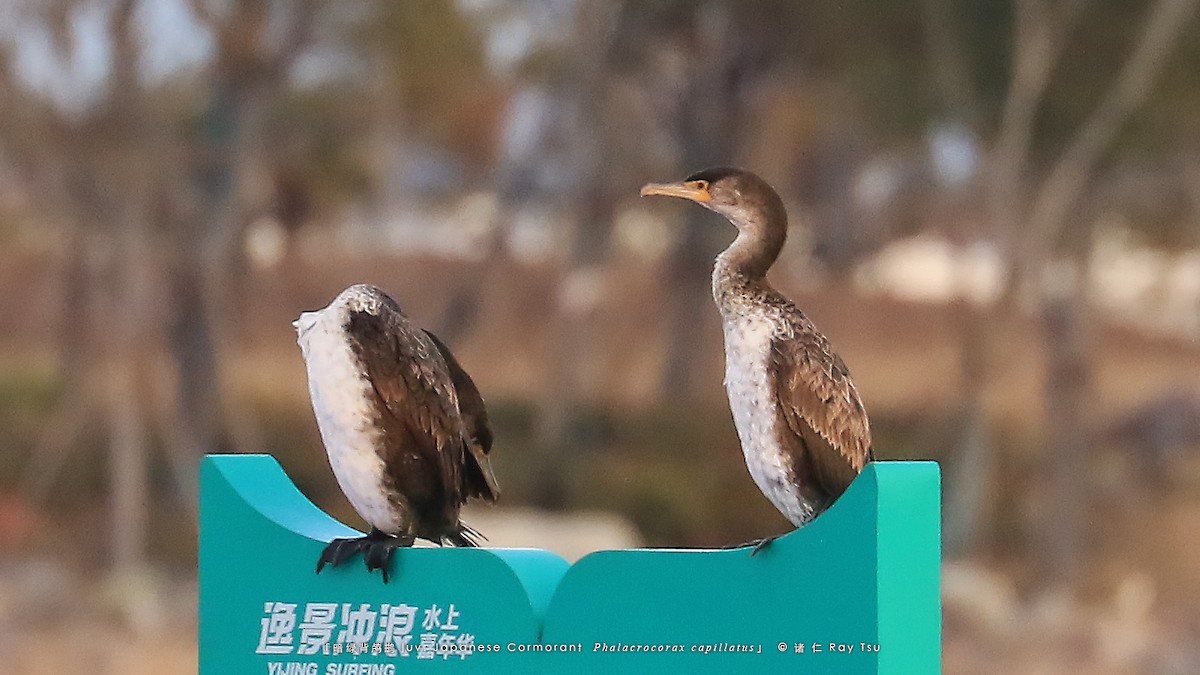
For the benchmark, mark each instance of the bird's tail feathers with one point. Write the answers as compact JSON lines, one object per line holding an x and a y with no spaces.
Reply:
{"x":478,"y":478}
{"x":465,"y":537}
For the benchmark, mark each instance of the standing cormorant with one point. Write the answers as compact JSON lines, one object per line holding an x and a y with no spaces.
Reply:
{"x":800,"y":421}
{"x":404,"y":426}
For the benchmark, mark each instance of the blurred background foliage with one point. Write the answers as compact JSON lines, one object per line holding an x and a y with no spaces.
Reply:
{"x":994,"y":211}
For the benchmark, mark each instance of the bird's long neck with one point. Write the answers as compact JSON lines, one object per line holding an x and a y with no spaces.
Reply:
{"x":743,"y":266}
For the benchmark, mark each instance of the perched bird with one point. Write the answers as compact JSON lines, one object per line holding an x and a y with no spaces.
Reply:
{"x":799,"y":418}
{"x":404,"y":426}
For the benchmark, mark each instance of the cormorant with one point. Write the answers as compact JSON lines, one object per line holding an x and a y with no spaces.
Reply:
{"x":801,"y":423}
{"x":404,"y":426}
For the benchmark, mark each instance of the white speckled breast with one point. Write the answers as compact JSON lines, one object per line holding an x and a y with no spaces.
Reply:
{"x":748,"y":339}
{"x":345,"y":416}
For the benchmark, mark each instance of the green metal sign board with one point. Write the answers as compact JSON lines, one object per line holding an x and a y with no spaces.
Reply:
{"x":855,"y":591}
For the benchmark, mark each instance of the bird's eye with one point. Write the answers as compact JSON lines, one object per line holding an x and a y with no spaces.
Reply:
{"x":701,"y":185}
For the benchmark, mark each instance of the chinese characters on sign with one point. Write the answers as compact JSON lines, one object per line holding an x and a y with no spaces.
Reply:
{"x":829,"y":647}
{"x":403,"y":630}
{"x":331,"y":628}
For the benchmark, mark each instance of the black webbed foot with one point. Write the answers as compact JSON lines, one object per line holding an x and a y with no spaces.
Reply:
{"x":338,"y":550}
{"x":379,"y":549}
{"x":376,"y":547}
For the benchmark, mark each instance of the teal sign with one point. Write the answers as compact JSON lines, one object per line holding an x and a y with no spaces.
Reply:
{"x":855,"y":591}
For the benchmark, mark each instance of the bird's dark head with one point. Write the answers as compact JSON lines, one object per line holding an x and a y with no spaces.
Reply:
{"x":739,"y":195}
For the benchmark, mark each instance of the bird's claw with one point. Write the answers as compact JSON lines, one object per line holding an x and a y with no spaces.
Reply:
{"x":339,"y":550}
{"x":758,"y":544}
{"x":377,"y":548}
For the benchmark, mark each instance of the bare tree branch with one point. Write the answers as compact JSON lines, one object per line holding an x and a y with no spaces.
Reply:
{"x":948,"y":62}
{"x":1068,"y":179}
{"x":123,"y":91}
{"x":204,"y":13}
{"x":299,"y":37}
{"x":1039,"y":37}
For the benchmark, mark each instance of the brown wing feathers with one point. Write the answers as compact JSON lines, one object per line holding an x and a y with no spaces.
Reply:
{"x":477,"y":479}
{"x":821,"y":407}
{"x":420,"y":401}
{"x":470,"y":402}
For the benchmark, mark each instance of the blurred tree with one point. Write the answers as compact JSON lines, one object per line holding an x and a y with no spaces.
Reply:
{"x":431,"y":79}
{"x":707,"y":61}
{"x":224,"y":181}
{"x":639,"y":89}
{"x":579,"y":82}
{"x":657,"y":89}
{"x":430,"y":83}
{"x":153,"y":182}
{"x":93,"y":162}
{"x":1028,"y":218}
{"x":559,"y":146}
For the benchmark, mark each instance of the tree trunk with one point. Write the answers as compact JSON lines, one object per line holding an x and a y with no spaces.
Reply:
{"x":128,"y":466}
{"x":971,"y":480}
{"x":1068,"y":179}
{"x":581,"y":293}
{"x":707,"y":124}
{"x":1061,"y":476}
{"x":208,"y":271}
{"x":130,"y":304}
{"x":690,"y":308}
